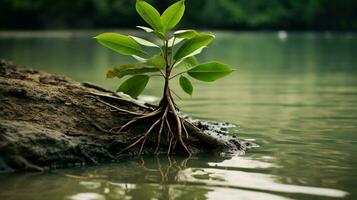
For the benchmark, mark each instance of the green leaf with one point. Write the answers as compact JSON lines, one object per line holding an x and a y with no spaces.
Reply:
{"x":186,"y":85}
{"x":144,"y":42}
{"x":149,"y":14}
{"x":140,"y":59}
{"x":172,"y":15}
{"x":177,"y":41}
{"x":134,"y":85}
{"x":198,"y":51}
{"x":157,"y":61}
{"x":123,"y":70}
{"x":188,"y":34}
{"x":141,"y":70}
{"x":118,"y":69}
{"x":191,"y":45}
{"x":188,"y":63}
{"x":210,"y":72}
{"x":160,"y":35}
{"x":147,"y":29}
{"x":119,"y":43}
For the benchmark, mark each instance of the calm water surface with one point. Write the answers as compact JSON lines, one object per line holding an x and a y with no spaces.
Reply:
{"x":296,"y":97}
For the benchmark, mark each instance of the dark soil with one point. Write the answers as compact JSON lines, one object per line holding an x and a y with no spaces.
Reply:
{"x":52,"y":121}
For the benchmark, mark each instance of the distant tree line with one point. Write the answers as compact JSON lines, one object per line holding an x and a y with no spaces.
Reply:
{"x":219,"y":14}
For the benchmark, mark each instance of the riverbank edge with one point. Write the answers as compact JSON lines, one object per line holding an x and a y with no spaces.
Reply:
{"x":49,"y":121}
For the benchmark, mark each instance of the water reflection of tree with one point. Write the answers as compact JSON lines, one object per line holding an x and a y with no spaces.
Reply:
{"x":145,"y":178}
{"x":163,"y":173}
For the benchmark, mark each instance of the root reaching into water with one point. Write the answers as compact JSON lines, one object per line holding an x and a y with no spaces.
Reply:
{"x":165,"y":123}
{"x":165,"y":126}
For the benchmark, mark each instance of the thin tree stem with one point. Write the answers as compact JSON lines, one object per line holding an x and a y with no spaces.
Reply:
{"x":172,"y":50}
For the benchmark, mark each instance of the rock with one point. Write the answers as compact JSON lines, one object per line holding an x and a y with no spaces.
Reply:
{"x":51,"y":121}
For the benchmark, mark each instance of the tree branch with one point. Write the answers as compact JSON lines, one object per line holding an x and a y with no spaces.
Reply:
{"x":178,"y":74}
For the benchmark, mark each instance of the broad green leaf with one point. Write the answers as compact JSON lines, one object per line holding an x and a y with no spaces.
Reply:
{"x":134,"y":71}
{"x":144,"y":42}
{"x":193,"y":44}
{"x":118,"y":69}
{"x":160,"y":35}
{"x":141,"y":70}
{"x":188,"y":63}
{"x":186,"y":85}
{"x":177,"y":41}
{"x":157,"y":61}
{"x":209,"y":71}
{"x":119,"y":43}
{"x":147,"y":29}
{"x":140,"y":59}
{"x":123,"y":70}
{"x":134,"y":85}
{"x":172,"y":15}
{"x":149,"y":14}
{"x":188,"y":34}
{"x":198,"y":51}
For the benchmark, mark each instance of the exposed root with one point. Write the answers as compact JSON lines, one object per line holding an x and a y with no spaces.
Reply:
{"x":170,"y":136}
{"x":163,"y":125}
{"x":160,"y":131}
{"x":184,"y":127}
{"x":165,"y":118}
{"x":116,"y":108}
{"x":152,"y":114}
{"x":174,"y":145}
{"x":141,"y":138}
{"x":179,"y":124}
{"x":115,"y":96}
{"x":167,"y":123}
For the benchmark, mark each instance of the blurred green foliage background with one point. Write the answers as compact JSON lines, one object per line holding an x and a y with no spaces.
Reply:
{"x":219,"y":14}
